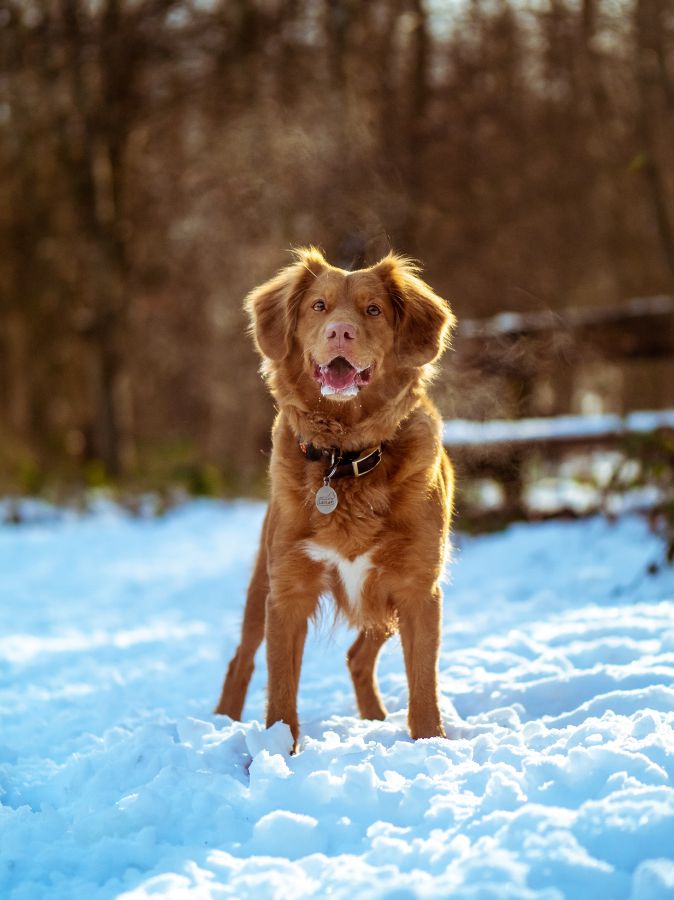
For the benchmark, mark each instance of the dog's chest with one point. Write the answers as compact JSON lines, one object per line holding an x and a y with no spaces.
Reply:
{"x":352,"y":573}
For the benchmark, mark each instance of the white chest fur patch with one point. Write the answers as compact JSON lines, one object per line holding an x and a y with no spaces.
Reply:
{"x":352,"y":572}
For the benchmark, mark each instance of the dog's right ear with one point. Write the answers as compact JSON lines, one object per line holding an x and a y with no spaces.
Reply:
{"x":272,"y":306}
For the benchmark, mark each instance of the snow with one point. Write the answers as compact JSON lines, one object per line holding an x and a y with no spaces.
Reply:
{"x":557,"y":678}
{"x":517,"y":323}
{"x":465,"y":432}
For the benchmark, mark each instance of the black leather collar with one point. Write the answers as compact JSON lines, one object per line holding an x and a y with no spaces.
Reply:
{"x":353,"y":463}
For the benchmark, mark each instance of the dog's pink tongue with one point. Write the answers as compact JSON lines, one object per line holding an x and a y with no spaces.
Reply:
{"x":339,"y":374}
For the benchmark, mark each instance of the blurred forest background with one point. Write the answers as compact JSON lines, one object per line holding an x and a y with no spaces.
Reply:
{"x":159,"y":157}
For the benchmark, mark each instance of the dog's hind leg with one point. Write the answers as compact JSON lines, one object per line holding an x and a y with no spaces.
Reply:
{"x":240,"y":669}
{"x":362,"y":661}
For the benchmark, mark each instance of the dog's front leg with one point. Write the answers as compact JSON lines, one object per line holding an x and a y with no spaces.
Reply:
{"x":286,"y":631}
{"x":420,"y":624}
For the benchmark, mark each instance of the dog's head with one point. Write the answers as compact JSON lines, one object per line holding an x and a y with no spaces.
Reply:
{"x":338,"y":334}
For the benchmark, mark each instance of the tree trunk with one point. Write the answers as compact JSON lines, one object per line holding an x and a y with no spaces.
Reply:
{"x":415,"y":126}
{"x":106,"y":373}
{"x":17,"y":359}
{"x":649,"y":73}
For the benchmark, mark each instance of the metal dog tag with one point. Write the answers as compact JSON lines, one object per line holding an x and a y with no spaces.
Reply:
{"x":326,"y":499}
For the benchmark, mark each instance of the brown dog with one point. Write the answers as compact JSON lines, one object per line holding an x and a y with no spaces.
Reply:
{"x":347,"y":356}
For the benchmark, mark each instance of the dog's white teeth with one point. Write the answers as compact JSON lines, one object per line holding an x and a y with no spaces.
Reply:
{"x":350,"y":391}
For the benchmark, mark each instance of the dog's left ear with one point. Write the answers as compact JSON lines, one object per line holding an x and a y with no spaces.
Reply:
{"x":424,"y":321}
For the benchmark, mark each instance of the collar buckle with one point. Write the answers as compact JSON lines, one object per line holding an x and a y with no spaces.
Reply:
{"x":364,"y":457}
{"x":341,"y":465}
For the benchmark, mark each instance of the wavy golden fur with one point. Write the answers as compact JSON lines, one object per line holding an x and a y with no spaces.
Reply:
{"x":347,"y":357}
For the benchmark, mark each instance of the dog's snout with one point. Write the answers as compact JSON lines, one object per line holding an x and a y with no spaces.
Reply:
{"x":340,"y":334}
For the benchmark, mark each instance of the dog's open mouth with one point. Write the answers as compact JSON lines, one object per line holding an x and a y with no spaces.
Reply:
{"x":339,"y":376}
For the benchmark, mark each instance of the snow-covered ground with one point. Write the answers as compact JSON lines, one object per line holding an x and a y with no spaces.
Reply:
{"x":557,"y":676}
{"x":469,"y":433}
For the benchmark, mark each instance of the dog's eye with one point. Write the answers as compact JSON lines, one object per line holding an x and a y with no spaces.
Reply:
{"x":373,"y":310}
{"x":319,"y":306}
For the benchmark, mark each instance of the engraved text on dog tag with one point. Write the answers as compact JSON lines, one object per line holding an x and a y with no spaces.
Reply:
{"x":326,"y":499}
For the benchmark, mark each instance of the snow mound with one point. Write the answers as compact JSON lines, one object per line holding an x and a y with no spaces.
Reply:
{"x":557,"y":676}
